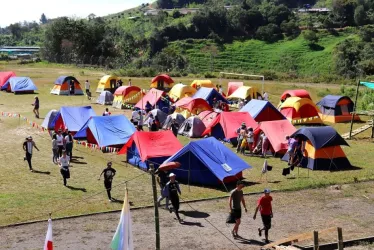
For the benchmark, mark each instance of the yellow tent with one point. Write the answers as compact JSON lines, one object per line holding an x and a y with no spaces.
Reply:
{"x":244,"y":92}
{"x":180,"y":90}
{"x":300,"y":111}
{"x":107,"y":82}
{"x":127,"y":95}
{"x":202,"y":83}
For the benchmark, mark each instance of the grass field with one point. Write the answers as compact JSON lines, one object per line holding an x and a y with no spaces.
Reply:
{"x":26,"y":196}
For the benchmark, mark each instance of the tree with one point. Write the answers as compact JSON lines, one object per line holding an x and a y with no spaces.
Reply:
{"x":290,"y":28}
{"x":269,"y":33}
{"x":15,"y":30}
{"x":360,"y":15}
{"x":43,"y":19}
{"x":91,"y":16}
{"x":367,"y":33}
{"x":310,"y":36}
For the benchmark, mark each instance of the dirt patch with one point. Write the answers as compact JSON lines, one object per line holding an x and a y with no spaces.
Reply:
{"x":294,"y":212}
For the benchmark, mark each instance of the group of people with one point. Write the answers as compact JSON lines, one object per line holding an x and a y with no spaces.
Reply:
{"x":263,"y":206}
{"x":246,"y":140}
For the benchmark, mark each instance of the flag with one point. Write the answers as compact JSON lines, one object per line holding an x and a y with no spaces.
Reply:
{"x":265,"y":167}
{"x":122,"y":239}
{"x":48,"y":245}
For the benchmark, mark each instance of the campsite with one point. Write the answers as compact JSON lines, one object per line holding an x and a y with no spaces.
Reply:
{"x":308,"y":199}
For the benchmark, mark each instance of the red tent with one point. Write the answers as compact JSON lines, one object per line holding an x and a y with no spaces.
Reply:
{"x":207,"y":117}
{"x":153,"y":144}
{"x":163,"y":77}
{"x":226,"y":123}
{"x":124,"y":90}
{"x":191,"y":104}
{"x":276,"y":132}
{"x":4,"y":77}
{"x":302,"y":93}
{"x":153,"y":96}
{"x":233,"y":86}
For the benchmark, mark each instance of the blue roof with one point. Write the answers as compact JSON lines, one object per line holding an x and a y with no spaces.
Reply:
{"x":368,"y":84}
{"x":62,"y":79}
{"x":208,"y":161}
{"x":107,"y":130}
{"x":255,"y":107}
{"x":208,"y":94}
{"x":75,"y":117}
{"x":19,"y":84}
{"x":330,"y":101}
{"x":321,"y":137}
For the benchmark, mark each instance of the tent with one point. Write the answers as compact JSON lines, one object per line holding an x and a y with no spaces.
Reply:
{"x":127,"y":95}
{"x":21,"y":85}
{"x":156,"y":112}
{"x":245,"y":93}
{"x":180,"y":90}
{"x":207,"y":117}
{"x":188,"y":106}
{"x":105,"y":98}
{"x":322,"y":148}
{"x":157,"y":98}
{"x":202,"y":83}
{"x":162,"y":81}
{"x":4,"y":78}
{"x":335,"y":109}
{"x":150,"y":147}
{"x":169,"y":119}
{"x":105,"y":131}
{"x":73,"y":118}
{"x":208,"y":162}
{"x":302,"y":93}
{"x":62,"y":86}
{"x":192,"y":127}
{"x":276,"y":132}
{"x":300,"y":111}
{"x":262,"y":111}
{"x":107,"y":82}
{"x":232,"y":86}
{"x":49,"y":119}
{"x":226,"y":123}
{"x":209,"y":94}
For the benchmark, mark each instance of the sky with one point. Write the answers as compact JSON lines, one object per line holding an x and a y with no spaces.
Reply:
{"x":31,"y":10}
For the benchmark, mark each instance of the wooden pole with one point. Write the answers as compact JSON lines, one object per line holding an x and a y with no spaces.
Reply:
{"x":354,"y":109}
{"x":340,"y":239}
{"x":315,"y":239}
{"x":157,"y":221}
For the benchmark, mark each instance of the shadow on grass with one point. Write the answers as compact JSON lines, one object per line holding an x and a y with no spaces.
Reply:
{"x":78,"y":162}
{"x":76,"y":189}
{"x":249,"y":242}
{"x":41,"y":172}
{"x":121,"y":201}
{"x":352,"y":168}
{"x":189,"y":223}
{"x":316,"y":47}
{"x":195,"y":214}
{"x":77,"y":157}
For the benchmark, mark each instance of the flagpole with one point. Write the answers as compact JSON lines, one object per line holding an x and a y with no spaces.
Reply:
{"x":157,"y":221}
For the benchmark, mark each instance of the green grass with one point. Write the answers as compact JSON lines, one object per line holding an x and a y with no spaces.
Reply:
{"x":28,"y":196}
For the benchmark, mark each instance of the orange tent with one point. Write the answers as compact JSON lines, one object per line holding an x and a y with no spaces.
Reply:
{"x":62,"y":86}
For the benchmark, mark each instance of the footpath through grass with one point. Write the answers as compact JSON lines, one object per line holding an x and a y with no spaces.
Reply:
{"x":26,"y":196}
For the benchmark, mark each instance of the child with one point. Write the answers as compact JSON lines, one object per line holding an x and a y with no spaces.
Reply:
{"x":250,"y":139}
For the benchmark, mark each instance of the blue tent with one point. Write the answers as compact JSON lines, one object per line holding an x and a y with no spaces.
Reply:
{"x":208,"y":94}
{"x":49,"y":119}
{"x":262,"y":111}
{"x":62,"y":79}
{"x":208,"y":162}
{"x":73,"y":118}
{"x":106,"y":130}
{"x":21,"y":85}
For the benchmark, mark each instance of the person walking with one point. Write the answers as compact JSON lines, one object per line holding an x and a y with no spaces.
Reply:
{"x":129,"y":84}
{"x":162,"y":180}
{"x":148,"y":107}
{"x":235,"y":200}
{"x":109,"y":174}
{"x":173,"y":191}
{"x":60,"y":142}
{"x":140,"y":120}
{"x":72,"y":87}
{"x":266,"y":96}
{"x":54,"y":149}
{"x":266,"y":211}
{"x":87,"y":87}
{"x":265,"y":144}
{"x":28,"y":145}
{"x":64,"y":162}
{"x":69,"y":144}
{"x":174,"y":127}
{"x":36,"y":107}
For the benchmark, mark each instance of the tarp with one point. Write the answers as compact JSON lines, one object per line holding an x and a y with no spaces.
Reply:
{"x":21,"y":84}
{"x":192,"y":127}
{"x":180,"y":90}
{"x":321,"y":137}
{"x":302,"y":93}
{"x":154,"y":147}
{"x":262,"y":111}
{"x":62,"y":79}
{"x":49,"y":119}
{"x":4,"y":78}
{"x":105,"y":98}
{"x":232,"y":86}
{"x":207,"y":161}
{"x":244,"y":92}
{"x":368,"y":84}
{"x":226,"y":123}
{"x":276,"y":132}
{"x":153,"y":97}
{"x":156,"y":112}
{"x":209,"y":94}
{"x":73,"y":118}
{"x":106,"y":131}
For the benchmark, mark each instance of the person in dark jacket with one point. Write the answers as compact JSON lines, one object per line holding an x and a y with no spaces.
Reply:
{"x":28,"y":146}
{"x":109,"y":174}
{"x":174,"y":127}
{"x":36,"y":107}
{"x":162,"y":179}
{"x":173,"y":192}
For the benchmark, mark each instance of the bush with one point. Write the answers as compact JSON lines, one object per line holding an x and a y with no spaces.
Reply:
{"x":367,"y":100}
{"x":269,"y":33}
{"x":323,"y":92}
{"x":310,"y":36}
{"x":367,"y":33}
{"x":270,"y":75}
{"x":348,"y":91}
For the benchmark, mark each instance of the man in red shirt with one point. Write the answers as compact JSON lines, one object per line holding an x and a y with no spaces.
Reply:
{"x":266,"y":211}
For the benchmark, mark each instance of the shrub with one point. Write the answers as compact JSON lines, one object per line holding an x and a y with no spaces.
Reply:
{"x":269,"y":33}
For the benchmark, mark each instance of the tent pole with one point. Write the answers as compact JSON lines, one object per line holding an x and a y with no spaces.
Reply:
{"x":354,"y":109}
{"x":189,"y":171}
{"x":225,"y":186}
